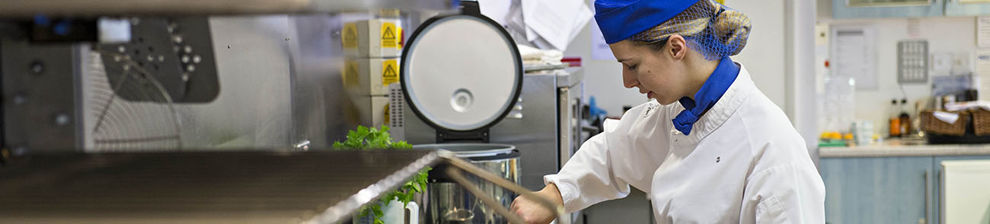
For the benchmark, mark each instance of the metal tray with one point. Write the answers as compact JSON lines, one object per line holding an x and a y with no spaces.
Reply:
{"x":201,"y":187}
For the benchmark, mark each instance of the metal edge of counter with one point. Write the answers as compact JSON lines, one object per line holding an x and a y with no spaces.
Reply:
{"x":344,"y":209}
{"x":904,"y":150}
{"x":570,"y":77}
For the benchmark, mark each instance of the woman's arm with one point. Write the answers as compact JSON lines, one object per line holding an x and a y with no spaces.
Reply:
{"x":627,"y":153}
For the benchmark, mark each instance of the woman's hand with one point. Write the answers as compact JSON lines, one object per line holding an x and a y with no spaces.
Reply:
{"x":531,"y":211}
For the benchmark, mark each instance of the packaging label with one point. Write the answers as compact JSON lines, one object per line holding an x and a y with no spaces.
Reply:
{"x":350,"y":36}
{"x":390,"y":72}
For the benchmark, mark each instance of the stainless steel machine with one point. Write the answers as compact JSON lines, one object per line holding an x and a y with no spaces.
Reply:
{"x":199,"y":74}
{"x":543,"y":125}
{"x":461,"y":74}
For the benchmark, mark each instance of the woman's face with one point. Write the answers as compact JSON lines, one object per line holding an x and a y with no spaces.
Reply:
{"x":661,"y":75}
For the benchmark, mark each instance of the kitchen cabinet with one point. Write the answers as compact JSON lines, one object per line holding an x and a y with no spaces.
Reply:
{"x":967,"y":7}
{"x":937,"y":163}
{"x":848,"y":9}
{"x":860,"y":180}
{"x":878,"y":189}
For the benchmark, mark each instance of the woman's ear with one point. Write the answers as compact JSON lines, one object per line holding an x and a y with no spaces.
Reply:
{"x":677,"y":46}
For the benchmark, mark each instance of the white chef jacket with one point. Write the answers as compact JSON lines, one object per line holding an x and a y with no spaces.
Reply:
{"x":743,"y":162}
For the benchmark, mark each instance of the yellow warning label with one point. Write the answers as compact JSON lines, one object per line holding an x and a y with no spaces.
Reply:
{"x":389,"y":37}
{"x":350,"y":75}
{"x":390,"y":72}
{"x":350,"y":36}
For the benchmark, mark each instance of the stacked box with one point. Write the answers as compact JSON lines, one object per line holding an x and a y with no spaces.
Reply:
{"x":375,"y":38}
{"x":371,"y":48}
{"x":369,"y":76}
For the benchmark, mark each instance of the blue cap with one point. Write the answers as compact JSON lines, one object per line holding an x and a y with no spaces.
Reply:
{"x":621,"y":19}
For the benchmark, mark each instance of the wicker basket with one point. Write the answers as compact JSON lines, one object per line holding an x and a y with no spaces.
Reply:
{"x":981,"y":122}
{"x":932,"y":125}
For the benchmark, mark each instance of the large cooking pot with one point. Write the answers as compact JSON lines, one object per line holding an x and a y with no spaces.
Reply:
{"x":449,"y":202}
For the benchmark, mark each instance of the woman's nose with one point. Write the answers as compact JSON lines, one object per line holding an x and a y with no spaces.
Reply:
{"x":629,"y":85}
{"x":628,"y":80}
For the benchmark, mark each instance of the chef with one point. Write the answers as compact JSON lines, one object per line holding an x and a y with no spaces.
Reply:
{"x":709,"y":147}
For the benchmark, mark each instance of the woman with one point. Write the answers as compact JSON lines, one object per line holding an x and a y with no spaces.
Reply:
{"x":711,"y":148}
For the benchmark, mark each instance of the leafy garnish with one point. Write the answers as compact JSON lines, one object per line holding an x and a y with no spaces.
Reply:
{"x":371,"y":138}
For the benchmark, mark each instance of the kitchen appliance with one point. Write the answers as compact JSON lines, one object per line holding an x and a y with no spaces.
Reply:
{"x":966,"y":197}
{"x":544,"y":124}
{"x":450,"y":203}
{"x":461,"y":74}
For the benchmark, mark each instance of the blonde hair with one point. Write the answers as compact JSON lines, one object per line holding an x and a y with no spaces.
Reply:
{"x":715,"y":30}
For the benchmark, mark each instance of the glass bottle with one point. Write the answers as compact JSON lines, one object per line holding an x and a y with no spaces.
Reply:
{"x":905,"y":119}
{"x":895,"y":120}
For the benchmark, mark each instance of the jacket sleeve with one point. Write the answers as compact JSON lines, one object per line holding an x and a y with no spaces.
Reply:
{"x":608,"y":163}
{"x":792,"y":192}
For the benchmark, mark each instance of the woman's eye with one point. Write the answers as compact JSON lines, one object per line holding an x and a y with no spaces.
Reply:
{"x":632,"y":67}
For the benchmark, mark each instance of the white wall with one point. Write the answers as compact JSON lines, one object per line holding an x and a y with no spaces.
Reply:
{"x":944,"y":34}
{"x":602,"y":78}
{"x":763,"y":57}
{"x":764,"y":54}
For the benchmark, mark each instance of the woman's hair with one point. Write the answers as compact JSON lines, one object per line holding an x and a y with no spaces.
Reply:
{"x":713,"y":30}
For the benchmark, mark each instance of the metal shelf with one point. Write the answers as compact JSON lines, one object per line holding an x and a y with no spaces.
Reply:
{"x":201,"y":187}
{"x":29,"y":8}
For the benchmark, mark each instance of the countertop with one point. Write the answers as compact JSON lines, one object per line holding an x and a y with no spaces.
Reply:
{"x":894,"y":148}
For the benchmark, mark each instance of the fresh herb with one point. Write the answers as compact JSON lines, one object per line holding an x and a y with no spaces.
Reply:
{"x":371,"y":138}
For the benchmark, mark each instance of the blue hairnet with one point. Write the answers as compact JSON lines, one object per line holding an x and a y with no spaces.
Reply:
{"x":715,"y":30}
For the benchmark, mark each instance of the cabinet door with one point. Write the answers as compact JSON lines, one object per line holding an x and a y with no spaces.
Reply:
{"x":937,"y":167}
{"x":967,"y":7}
{"x":877,"y":190}
{"x":847,"y":9}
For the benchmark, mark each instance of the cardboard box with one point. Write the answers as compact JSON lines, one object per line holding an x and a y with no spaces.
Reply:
{"x":375,"y":38}
{"x":369,"y":76}
{"x":370,"y":110}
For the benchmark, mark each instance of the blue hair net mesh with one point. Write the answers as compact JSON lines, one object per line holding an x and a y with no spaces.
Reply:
{"x":713,"y":29}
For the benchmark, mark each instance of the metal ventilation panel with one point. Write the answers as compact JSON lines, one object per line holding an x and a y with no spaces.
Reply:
{"x":177,"y":52}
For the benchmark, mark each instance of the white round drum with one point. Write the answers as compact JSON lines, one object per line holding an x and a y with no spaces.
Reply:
{"x":461,"y":72}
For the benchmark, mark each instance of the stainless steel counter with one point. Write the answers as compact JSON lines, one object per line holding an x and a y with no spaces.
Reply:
{"x":894,"y":150}
{"x":201,"y":187}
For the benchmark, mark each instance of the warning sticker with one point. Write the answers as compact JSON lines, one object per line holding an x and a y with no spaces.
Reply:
{"x":390,"y":72}
{"x":351,"y":74}
{"x":350,"y":36}
{"x":389,"y":36}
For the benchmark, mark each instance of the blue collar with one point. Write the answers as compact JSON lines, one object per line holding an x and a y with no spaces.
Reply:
{"x":713,"y":89}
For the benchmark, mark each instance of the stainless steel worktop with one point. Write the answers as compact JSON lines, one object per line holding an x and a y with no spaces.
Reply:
{"x":893,"y":150}
{"x":201,"y":187}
